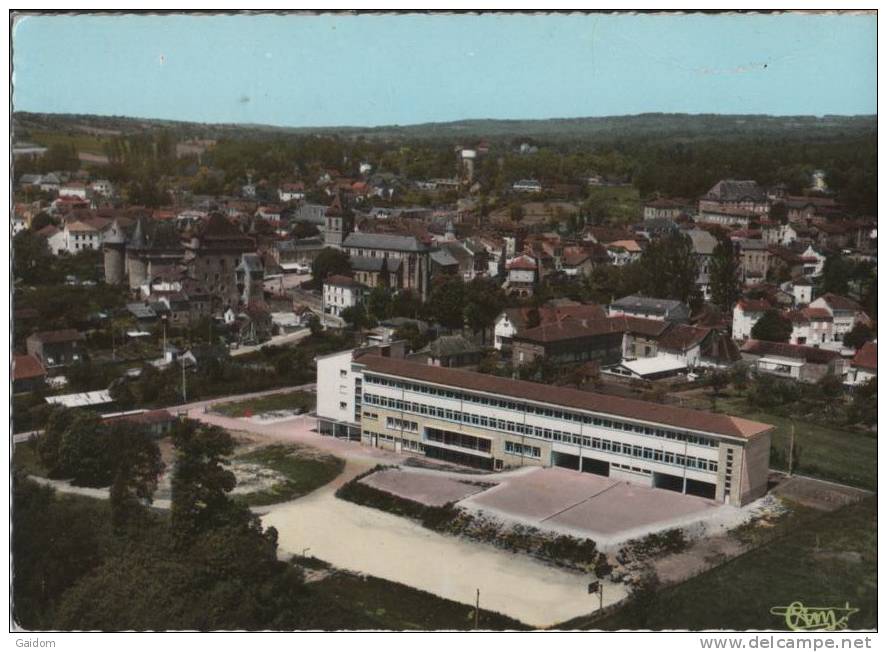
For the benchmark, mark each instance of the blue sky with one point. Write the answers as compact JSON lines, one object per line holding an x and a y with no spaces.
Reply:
{"x":375,"y":70}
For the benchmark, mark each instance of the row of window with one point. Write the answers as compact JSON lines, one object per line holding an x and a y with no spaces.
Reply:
{"x":524,"y":450}
{"x":485,"y":422}
{"x":632,"y":469}
{"x":663,"y":457}
{"x":603,"y":422}
{"x":399,"y":424}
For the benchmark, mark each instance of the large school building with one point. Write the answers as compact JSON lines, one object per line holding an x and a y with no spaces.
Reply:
{"x":496,"y":423}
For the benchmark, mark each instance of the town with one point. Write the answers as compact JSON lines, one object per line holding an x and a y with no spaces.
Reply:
{"x":492,"y":375}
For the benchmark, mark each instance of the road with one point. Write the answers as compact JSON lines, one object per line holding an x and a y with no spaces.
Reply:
{"x":277,"y":340}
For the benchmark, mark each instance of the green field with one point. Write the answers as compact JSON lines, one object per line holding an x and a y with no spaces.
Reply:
{"x":304,"y":472}
{"x":24,"y":458}
{"x":298,"y":399}
{"x":828,"y":452}
{"x":621,"y":204}
{"x":82,"y":142}
{"x":825,"y":561}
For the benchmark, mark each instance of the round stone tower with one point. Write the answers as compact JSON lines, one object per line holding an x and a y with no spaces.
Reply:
{"x":135,"y":260}
{"x":114,"y":247}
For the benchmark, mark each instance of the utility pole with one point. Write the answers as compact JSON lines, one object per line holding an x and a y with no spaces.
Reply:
{"x":477,"y":610}
{"x":184,"y":386}
{"x":791,"y":448}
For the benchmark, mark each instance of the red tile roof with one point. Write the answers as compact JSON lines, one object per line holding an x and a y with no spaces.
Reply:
{"x":52,"y":337}
{"x":669,"y":415}
{"x":25,"y":367}
{"x":681,"y":337}
{"x":867,"y":357}
{"x":837,"y":302}
{"x":569,"y":329}
{"x":807,"y":353}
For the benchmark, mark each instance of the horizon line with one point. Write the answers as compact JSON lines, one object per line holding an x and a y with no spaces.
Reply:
{"x":453,"y":121}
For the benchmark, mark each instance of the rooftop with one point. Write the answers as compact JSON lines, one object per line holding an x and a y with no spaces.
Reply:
{"x":678,"y":417}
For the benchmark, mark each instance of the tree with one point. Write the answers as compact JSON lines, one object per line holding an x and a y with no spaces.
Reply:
{"x":379,"y":303}
{"x":406,"y":304}
{"x":136,"y":469}
{"x":314,"y":325}
{"x":725,"y":284}
{"x":32,"y":261}
{"x":329,"y":262}
{"x":534,"y":318}
{"x":447,"y":302}
{"x":516,"y":212}
{"x":201,"y":480}
{"x":860,"y":334}
{"x":410,"y":332}
{"x":57,"y":422}
{"x":669,"y":269}
{"x":83,"y":451}
{"x":484,"y":300}
{"x":772,"y":327}
{"x":356,"y":317}
{"x":836,"y":274}
{"x":779,"y":213}
{"x":718,"y":380}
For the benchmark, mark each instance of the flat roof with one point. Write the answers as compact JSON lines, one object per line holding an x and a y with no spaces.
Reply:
{"x":460,"y":379}
{"x":655,"y":365}
{"x":82,"y":399}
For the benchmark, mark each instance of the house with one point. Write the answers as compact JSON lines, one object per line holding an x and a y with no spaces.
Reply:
{"x":704,"y":244}
{"x":805,"y":364}
{"x":811,"y":326}
{"x":623,"y":252}
{"x":845,"y":313}
{"x":864,"y":366}
{"x":102,"y":187}
{"x":442,"y":262}
{"x":775,"y":233}
{"x":28,"y":373}
{"x":570,"y":341}
{"x":271,"y":214}
{"x":449,"y":351}
{"x":56,"y":348}
{"x":740,"y":218}
{"x":291,"y":191}
{"x":813,"y":262}
{"x":73,"y":189}
{"x":527,"y":185}
{"x":733,"y":194}
{"x":800,"y":289}
{"x":650,"y":308}
{"x":746,"y":314}
{"x":521,"y":277}
{"x":513,"y":321}
{"x":754,"y":260}
{"x":75,"y":236}
{"x":340,"y":293}
{"x":664,"y":208}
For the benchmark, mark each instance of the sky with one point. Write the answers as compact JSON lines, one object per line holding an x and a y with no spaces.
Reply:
{"x":407,"y":69}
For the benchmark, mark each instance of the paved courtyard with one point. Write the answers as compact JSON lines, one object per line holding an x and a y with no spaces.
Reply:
{"x":583,"y":504}
{"x":426,"y":487}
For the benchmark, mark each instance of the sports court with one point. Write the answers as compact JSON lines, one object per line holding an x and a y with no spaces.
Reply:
{"x":423,"y":487}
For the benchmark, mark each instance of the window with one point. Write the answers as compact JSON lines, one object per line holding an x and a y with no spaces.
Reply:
{"x":343,"y":405}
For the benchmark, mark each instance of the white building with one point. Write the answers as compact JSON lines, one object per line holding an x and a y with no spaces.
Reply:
{"x":75,"y":237}
{"x":811,"y":326}
{"x":102,"y":187}
{"x":341,"y":292}
{"x":813,"y":261}
{"x":746,"y":314}
{"x":864,"y":366}
{"x":845,"y":312}
{"x":77,"y":190}
{"x":527,"y":185}
{"x":495,"y":423}
{"x":291,"y":192}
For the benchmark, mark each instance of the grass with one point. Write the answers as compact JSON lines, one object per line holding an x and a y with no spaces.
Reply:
{"x":825,"y":561}
{"x":82,"y":142}
{"x":296,"y":400}
{"x":374,"y":603}
{"x":825,"y":451}
{"x":622,"y":204}
{"x":303,"y":472}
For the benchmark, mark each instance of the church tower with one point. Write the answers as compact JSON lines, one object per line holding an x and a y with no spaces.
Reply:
{"x":337,"y":223}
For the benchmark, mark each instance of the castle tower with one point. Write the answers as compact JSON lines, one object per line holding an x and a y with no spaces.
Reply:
{"x":114,"y":248}
{"x":135,"y":261}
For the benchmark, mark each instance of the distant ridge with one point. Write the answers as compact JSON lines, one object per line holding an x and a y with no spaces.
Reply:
{"x":681,"y":125}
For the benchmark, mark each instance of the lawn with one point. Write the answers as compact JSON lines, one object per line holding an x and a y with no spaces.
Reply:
{"x":303,"y":470}
{"x":296,"y":400}
{"x":827,"y":452}
{"x":827,"y":561}
{"x":373,"y":603}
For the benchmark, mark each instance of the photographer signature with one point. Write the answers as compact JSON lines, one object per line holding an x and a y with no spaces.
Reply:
{"x":799,"y":618}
